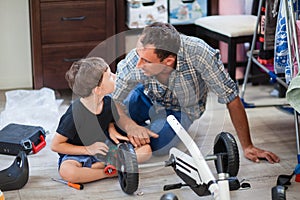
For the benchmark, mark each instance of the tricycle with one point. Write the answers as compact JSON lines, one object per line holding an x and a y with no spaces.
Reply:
{"x":192,"y":168}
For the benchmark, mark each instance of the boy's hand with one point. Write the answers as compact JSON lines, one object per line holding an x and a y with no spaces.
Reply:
{"x":97,"y":148}
{"x":116,"y":136}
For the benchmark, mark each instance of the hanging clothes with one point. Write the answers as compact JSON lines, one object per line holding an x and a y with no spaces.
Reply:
{"x":281,"y":52}
{"x":271,"y":11}
{"x":266,"y":33}
{"x":293,"y":93}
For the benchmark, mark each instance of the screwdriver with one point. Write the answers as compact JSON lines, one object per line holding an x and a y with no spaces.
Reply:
{"x":77,"y":186}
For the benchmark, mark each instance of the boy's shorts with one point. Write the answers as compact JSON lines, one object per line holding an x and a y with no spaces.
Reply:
{"x":85,"y":160}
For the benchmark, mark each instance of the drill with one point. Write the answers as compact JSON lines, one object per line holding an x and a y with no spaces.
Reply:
{"x":111,"y":160}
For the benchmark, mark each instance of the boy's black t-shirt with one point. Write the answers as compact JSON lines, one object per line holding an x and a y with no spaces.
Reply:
{"x":84,"y":128}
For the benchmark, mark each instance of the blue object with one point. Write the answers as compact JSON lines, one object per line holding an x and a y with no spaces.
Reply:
{"x":297,"y":169}
{"x":141,"y":109}
{"x":247,"y":105}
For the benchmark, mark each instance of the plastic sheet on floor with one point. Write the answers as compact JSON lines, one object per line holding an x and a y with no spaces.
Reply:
{"x":31,"y":107}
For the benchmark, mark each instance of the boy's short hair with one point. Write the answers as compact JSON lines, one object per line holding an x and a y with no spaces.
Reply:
{"x":84,"y":75}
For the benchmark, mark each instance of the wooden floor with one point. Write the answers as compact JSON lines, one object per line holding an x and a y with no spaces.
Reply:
{"x":271,"y":129}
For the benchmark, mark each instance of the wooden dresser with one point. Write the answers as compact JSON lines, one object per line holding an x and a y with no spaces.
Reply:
{"x":63,"y":31}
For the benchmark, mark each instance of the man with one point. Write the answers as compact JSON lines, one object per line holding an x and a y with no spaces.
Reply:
{"x":169,"y":73}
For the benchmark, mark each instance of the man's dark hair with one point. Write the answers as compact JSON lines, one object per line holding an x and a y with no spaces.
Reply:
{"x":164,"y":37}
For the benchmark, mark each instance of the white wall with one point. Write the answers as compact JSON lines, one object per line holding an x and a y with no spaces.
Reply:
{"x":15,"y":52}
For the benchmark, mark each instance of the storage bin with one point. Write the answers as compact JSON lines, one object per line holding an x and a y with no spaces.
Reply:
{"x":142,"y":13}
{"x":186,"y":11}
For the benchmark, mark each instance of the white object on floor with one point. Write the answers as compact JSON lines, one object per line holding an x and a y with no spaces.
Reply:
{"x":31,"y":107}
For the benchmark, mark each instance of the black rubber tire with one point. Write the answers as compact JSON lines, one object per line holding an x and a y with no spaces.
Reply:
{"x":127,"y":168}
{"x":225,"y":143}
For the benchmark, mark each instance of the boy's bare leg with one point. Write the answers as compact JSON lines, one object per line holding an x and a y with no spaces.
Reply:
{"x":72,"y":171}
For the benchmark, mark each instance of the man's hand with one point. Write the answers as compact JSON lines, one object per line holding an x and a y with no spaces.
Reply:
{"x":255,"y":154}
{"x":240,"y":122}
{"x":139,"y":135}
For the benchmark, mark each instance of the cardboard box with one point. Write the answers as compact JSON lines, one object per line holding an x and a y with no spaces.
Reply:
{"x":186,"y":11}
{"x":142,"y":13}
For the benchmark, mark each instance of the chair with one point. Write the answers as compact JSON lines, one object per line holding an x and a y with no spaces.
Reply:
{"x":231,"y":29}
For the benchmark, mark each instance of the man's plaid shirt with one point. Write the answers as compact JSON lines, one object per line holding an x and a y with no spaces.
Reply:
{"x":198,"y":70}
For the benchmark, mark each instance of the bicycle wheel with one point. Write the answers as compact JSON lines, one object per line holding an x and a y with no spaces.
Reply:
{"x":127,"y":168}
{"x":226,"y":144}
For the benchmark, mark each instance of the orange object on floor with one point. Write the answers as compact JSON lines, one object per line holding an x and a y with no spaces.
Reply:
{"x":2,"y":195}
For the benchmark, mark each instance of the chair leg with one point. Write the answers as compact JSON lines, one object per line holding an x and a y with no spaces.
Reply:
{"x":231,"y":67}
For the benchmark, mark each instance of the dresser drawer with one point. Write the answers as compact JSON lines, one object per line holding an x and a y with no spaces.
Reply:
{"x":73,"y":22}
{"x":63,"y":31}
{"x":57,"y":59}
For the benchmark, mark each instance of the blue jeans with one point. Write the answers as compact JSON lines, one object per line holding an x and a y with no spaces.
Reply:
{"x":85,"y":160}
{"x":140,"y":109}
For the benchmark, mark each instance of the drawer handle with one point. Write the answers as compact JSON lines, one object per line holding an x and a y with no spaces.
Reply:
{"x":71,"y":59}
{"x":73,"y":18}
{"x":188,"y":1}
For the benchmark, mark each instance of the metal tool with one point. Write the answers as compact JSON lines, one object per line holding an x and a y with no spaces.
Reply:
{"x":77,"y":186}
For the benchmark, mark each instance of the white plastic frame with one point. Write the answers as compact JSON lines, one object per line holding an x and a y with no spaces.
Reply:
{"x":219,"y":189}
